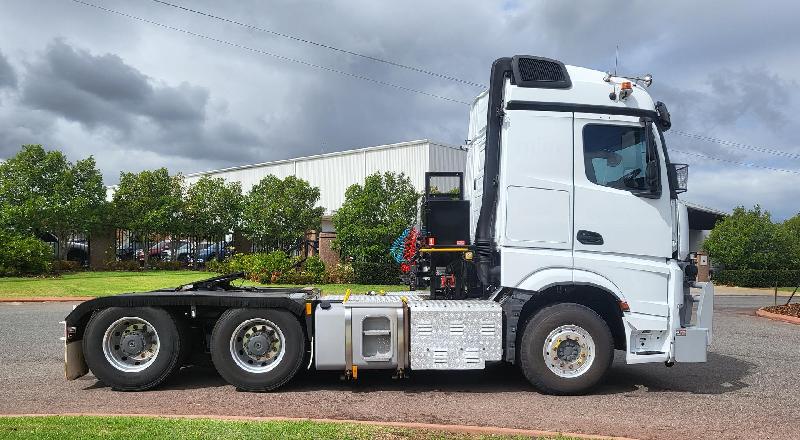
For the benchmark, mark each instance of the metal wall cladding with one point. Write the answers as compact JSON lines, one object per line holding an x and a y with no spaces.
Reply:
{"x":455,"y":334}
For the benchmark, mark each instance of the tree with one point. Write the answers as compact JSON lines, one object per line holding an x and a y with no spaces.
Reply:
{"x":791,"y":231}
{"x":748,"y":239}
{"x":149,"y":203}
{"x":211,"y":209}
{"x":370,"y":218}
{"x":277,"y":213}
{"x":41,"y":191}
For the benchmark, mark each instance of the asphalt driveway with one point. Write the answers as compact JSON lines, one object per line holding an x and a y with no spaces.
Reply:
{"x":750,"y":388}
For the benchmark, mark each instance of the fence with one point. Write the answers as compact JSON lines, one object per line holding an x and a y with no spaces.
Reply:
{"x":169,"y":250}
{"x":76,"y":247}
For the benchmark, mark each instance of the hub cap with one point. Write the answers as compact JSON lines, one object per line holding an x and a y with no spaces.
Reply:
{"x":257,"y":345}
{"x":130,"y":344}
{"x":568,"y":351}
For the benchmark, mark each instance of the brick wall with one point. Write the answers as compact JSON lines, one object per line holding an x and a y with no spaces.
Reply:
{"x":326,"y":253}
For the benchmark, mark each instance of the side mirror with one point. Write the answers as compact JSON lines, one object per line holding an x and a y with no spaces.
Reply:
{"x":664,"y":120}
{"x":678,"y":177}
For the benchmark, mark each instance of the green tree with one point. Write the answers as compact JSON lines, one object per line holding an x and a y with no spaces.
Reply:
{"x":149,"y":204}
{"x":370,"y":218}
{"x":748,"y":239}
{"x":211,"y":209}
{"x":278,"y":212}
{"x":41,"y":191}
{"x":791,"y":231}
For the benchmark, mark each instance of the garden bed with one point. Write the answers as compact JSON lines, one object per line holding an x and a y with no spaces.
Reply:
{"x":787,"y":310}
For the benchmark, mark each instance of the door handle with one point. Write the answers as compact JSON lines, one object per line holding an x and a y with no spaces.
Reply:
{"x":589,"y":237}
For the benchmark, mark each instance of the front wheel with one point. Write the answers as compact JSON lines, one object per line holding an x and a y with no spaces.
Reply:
{"x":257,"y":349}
{"x":565,"y":349}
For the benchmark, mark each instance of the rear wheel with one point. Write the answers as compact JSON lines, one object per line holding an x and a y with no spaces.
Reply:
{"x":133,"y":349}
{"x":565,"y":349}
{"x":257,"y":349}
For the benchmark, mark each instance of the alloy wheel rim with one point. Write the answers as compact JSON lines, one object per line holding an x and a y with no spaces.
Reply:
{"x":569,"y":351}
{"x":257,"y":345}
{"x":131,"y":344}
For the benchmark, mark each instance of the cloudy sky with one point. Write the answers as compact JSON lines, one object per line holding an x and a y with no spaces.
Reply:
{"x":135,"y":95}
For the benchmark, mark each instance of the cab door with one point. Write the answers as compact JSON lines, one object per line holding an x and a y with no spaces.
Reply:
{"x":622,"y":222}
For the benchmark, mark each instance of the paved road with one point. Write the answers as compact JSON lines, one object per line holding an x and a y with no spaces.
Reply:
{"x":750,"y":388}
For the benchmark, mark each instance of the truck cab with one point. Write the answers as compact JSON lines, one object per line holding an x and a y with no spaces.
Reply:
{"x":569,"y":172}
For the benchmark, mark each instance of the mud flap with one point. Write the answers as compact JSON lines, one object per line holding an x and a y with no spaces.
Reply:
{"x":74,"y":363}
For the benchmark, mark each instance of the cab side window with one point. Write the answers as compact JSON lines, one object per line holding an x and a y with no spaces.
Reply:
{"x":618,"y":156}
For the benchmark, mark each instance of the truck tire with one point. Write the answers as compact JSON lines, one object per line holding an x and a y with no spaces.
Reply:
{"x":257,"y":349}
{"x":133,"y":348}
{"x":565,"y":349}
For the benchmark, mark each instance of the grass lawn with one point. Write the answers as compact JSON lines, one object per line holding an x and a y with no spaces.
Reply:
{"x":144,"y":428}
{"x":112,"y":283}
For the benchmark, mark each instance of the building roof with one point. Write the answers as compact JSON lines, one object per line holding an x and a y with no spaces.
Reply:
{"x":322,"y":156}
{"x":703,"y":218}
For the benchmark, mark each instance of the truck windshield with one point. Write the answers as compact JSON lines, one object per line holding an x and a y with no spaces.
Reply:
{"x":616,"y":156}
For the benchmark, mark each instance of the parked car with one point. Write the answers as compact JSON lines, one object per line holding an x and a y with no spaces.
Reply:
{"x":127,"y":253}
{"x":178,"y":251}
{"x":154,"y":253}
{"x":76,"y":250}
{"x":215,"y":251}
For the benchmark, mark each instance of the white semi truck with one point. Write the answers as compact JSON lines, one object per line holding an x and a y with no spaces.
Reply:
{"x":564,"y":241}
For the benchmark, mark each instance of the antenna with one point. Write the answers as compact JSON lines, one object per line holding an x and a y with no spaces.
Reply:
{"x":616,"y":60}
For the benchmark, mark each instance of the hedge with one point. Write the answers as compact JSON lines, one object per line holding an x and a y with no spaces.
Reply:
{"x":757,"y":278}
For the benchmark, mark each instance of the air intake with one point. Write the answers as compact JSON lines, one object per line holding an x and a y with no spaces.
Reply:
{"x":539,"y":72}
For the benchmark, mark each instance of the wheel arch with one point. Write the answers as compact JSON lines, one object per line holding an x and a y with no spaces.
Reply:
{"x":523,"y":304}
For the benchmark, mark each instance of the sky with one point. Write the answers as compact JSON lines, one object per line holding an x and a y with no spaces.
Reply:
{"x":139,"y":96}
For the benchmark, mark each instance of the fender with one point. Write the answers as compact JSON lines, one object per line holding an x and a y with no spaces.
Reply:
{"x":554,"y":276}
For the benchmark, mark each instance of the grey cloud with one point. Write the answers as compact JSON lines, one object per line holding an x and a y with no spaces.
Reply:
{"x":8,"y":78}
{"x":101,"y":90}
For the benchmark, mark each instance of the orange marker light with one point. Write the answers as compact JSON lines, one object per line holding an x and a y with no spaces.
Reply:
{"x":431,"y":241}
{"x":624,"y":306}
{"x":308,"y":309}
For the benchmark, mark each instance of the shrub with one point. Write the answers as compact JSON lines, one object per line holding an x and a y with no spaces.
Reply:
{"x":22,"y":255}
{"x":342,"y":273}
{"x":261,"y":267}
{"x":168,"y":265}
{"x":218,"y":266}
{"x":273,"y":267}
{"x":757,"y":278}
{"x":315,"y":267}
{"x":124,"y":266}
{"x":381,"y":270}
{"x":66,"y":266}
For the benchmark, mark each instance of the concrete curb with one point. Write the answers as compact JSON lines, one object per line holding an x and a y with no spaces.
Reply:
{"x":778,"y":317}
{"x":460,"y":429}
{"x":32,"y":299}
